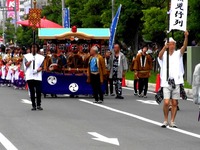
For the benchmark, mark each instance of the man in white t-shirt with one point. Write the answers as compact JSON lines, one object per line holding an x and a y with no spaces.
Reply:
{"x":33,"y":64}
{"x":171,"y":85}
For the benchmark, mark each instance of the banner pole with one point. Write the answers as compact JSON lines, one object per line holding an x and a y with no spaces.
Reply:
{"x":113,"y":9}
{"x":34,"y":40}
{"x":168,"y":21}
{"x":63,"y":8}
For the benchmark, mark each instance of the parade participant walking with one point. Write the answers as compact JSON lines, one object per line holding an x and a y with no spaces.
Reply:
{"x":142,"y":67}
{"x":171,"y":85}
{"x":118,"y":67}
{"x":33,"y":70}
{"x":96,"y":73}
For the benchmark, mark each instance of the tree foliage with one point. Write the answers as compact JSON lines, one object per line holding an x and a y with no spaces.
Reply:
{"x":193,"y":19}
{"x":24,"y":36}
{"x":10,"y":31}
{"x":53,"y":11}
{"x":97,"y":13}
{"x":154,"y":22}
{"x":139,"y":19}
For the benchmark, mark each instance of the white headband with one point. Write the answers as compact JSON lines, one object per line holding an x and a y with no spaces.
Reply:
{"x":170,"y":40}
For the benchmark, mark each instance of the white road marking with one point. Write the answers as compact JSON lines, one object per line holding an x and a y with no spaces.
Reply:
{"x":99,"y":137}
{"x":150,"y":102}
{"x":6,"y":143}
{"x":127,"y":88}
{"x":141,"y":118}
{"x":25,"y":101}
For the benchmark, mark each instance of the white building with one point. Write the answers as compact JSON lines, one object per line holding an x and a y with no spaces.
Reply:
{"x":24,"y":6}
{"x":29,"y":3}
{"x":21,"y":9}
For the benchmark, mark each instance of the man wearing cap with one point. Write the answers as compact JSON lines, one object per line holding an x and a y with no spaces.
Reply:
{"x":96,"y":73}
{"x":171,"y":85}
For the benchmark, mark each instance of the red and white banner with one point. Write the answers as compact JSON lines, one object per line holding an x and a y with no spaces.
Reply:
{"x":178,"y":15}
{"x":10,"y":4}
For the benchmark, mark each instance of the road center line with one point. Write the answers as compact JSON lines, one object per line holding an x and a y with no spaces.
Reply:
{"x":141,"y":118}
{"x":6,"y":143}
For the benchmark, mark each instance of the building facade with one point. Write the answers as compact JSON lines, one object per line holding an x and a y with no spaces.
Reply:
{"x":29,"y":3}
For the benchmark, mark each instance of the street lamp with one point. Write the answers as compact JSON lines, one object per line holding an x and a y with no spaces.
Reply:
{"x":3,"y":25}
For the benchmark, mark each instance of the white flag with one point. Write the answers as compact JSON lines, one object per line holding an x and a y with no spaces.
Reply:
{"x":178,"y":15}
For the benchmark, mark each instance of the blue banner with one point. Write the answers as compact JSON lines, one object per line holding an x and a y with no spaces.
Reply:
{"x":67,"y":18}
{"x":113,"y":28}
{"x":53,"y":83}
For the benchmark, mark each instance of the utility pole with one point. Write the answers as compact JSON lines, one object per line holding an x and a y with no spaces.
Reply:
{"x":63,"y":8}
{"x":113,"y":9}
{"x":3,"y":23}
{"x":15,"y":9}
{"x":168,"y":19}
{"x":31,"y":3}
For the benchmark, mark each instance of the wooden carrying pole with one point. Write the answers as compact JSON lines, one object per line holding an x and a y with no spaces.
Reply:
{"x":168,"y":21}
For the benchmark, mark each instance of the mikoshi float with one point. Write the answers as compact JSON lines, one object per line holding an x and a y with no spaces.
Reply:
{"x":71,"y":80}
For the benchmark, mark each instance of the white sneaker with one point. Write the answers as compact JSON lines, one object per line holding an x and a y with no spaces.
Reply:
{"x":173,"y":125}
{"x":165,"y":124}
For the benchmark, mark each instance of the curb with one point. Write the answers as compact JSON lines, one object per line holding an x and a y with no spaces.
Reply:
{"x":151,"y":87}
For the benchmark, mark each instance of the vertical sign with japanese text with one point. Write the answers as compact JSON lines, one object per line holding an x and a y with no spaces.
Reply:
{"x":178,"y":15}
{"x":67,"y":18}
{"x":10,"y":4}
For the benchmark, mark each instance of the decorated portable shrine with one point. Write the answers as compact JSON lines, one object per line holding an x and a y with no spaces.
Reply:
{"x":72,"y":46}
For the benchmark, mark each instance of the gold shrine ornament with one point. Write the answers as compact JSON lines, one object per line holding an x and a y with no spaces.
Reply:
{"x":34,"y":16}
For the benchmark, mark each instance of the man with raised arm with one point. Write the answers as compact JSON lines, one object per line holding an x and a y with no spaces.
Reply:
{"x":171,"y":84}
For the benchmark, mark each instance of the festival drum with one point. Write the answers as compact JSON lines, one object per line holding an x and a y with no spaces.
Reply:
{"x":54,"y":67}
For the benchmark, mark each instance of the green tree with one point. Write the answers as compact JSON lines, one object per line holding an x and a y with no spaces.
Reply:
{"x":93,"y":11}
{"x":53,"y":11}
{"x":155,"y":24}
{"x":193,"y":19}
{"x":25,"y":36}
{"x":10,"y":31}
{"x":97,"y":13}
{"x":130,"y":23}
{"x":76,"y":11}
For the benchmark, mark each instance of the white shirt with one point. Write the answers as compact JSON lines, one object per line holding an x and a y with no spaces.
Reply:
{"x":176,"y":69}
{"x":30,"y":72}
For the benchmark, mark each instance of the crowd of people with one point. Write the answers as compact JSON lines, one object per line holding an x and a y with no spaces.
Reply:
{"x":16,"y":69}
{"x":10,"y":68}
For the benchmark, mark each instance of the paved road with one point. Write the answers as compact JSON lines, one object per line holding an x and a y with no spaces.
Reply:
{"x":64,"y":124}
